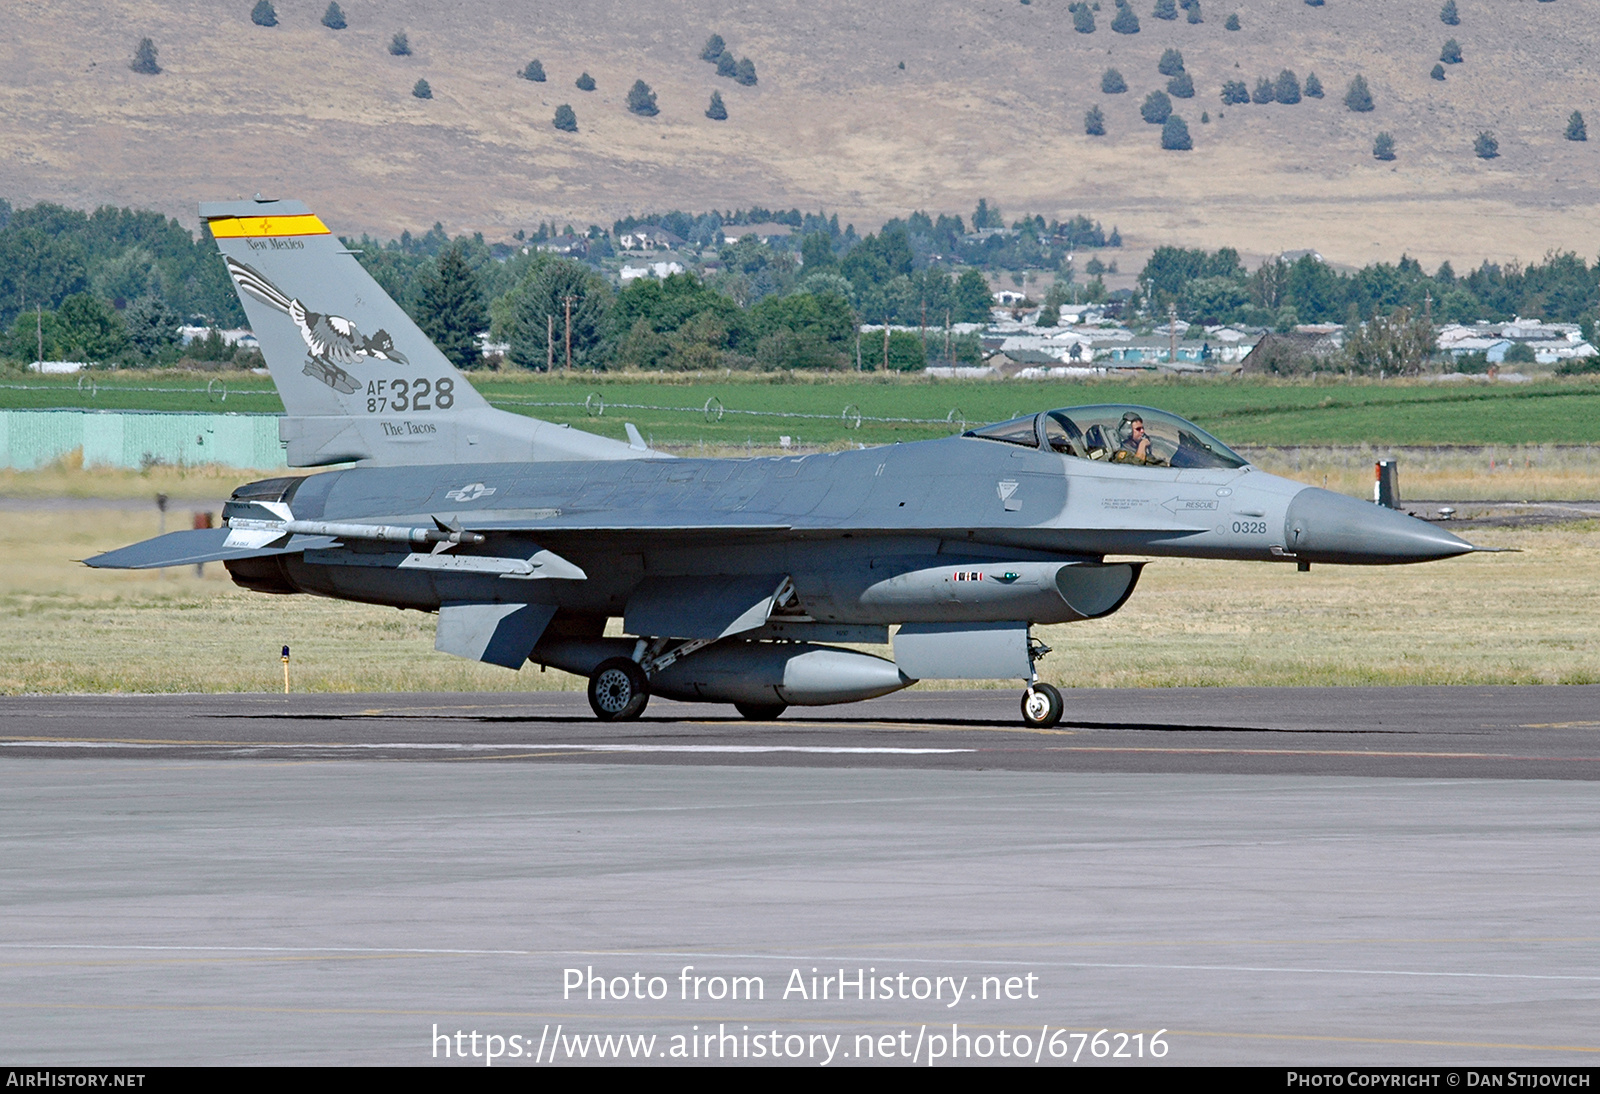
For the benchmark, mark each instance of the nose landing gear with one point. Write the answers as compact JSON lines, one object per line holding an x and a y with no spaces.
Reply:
{"x":1041,"y":703}
{"x":618,"y":690}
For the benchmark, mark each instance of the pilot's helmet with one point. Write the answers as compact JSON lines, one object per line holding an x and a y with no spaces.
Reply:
{"x":1125,"y":427}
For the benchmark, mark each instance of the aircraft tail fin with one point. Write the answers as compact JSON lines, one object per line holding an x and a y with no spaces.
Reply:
{"x":360,"y":382}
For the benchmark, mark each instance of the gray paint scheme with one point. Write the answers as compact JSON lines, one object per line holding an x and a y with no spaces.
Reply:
{"x":974,"y":537}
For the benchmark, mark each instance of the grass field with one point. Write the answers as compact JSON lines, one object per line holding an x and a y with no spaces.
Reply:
{"x":822,"y":410}
{"x":1530,"y":617}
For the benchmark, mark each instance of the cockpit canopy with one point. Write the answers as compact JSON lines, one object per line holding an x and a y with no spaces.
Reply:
{"x":1117,"y":434}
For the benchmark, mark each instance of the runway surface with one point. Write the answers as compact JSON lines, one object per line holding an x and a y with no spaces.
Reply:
{"x":337,"y":879}
{"x":1437,"y":732}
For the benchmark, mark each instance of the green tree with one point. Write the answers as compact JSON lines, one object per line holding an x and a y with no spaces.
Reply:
{"x":1287,"y":88}
{"x":1232,"y":22}
{"x":1181,"y":86}
{"x":450,"y":308}
{"x":1485,"y":147}
{"x":716,"y":111}
{"x":1156,"y":108}
{"x":534,"y":72}
{"x":1094,"y":122}
{"x":1166,"y":9}
{"x":1112,"y":83}
{"x":87,"y":329}
{"x":1451,"y":53}
{"x":1358,"y":97}
{"x":1171,"y":63}
{"x":1234,"y":91}
{"x":1313,"y":86}
{"x":39,"y":267}
{"x":585,"y":82}
{"x":1575,"y":128}
{"x":421,"y":90}
{"x":745,"y":73}
{"x":263,"y":14}
{"x":1383,"y":147}
{"x":151,"y":325}
{"x":726,"y":66}
{"x":970,"y":300}
{"x":400,"y":45}
{"x":544,"y":295}
{"x":565,"y":120}
{"x":1437,"y":73}
{"x":1082,"y":19}
{"x":333,"y":18}
{"x":144,"y":58}
{"x":1266,"y":90}
{"x":1448,"y":14}
{"x":1125,"y":21}
{"x":641,"y":100}
{"x":1175,"y":135}
{"x":713,"y":49}
{"x":1049,"y":316}
{"x":1194,"y":13}
{"x":906,"y":352}
{"x":1395,"y":345}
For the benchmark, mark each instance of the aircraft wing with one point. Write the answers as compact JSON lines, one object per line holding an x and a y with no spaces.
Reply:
{"x":192,"y":547}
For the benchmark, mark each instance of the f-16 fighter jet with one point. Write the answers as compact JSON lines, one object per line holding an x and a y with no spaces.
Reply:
{"x":733,"y":578}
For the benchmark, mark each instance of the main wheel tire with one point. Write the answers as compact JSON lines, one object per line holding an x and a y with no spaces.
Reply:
{"x":618,"y":690}
{"x":761,"y":712}
{"x":1041,"y":706}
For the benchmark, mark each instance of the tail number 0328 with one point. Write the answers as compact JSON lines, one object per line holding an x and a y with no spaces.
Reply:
{"x":1250,"y":527}
{"x":412,"y":395}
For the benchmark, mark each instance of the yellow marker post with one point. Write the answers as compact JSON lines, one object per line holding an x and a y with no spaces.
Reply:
{"x":286,"y":670}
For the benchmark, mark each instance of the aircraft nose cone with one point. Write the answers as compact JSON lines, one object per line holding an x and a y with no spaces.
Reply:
{"x":1322,"y":526}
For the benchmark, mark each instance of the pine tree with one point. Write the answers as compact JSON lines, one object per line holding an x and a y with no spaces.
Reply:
{"x":263,"y":14}
{"x":1082,"y":19}
{"x":1112,"y":83}
{"x":1232,"y":22}
{"x":1166,"y":9}
{"x":1266,"y":91}
{"x":1358,"y":97}
{"x":716,"y":111}
{"x":1575,"y":128}
{"x":1448,"y":14}
{"x":1233,"y":92}
{"x":1171,"y":63}
{"x":400,"y":45}
{"x":1194,"y":13}
{"x":144,"y":59}
{"x":1094,"y":122}
{"x":714,"y":47}
{"x":1181,"y":86}
{"x":1175,"y":135}
{"x":1486,"y":147}
{"x":727,"y":66}
{"x":1287,"y":89}
{"x":641,"y":100}
{"x":450,"y":308}
{"x":1205,"y":117}
{"x":1156,"y":109}
{"x":1383,"y":147}
{"x":534,"y":72}
{"x":1313,"y":86}
{"x":565,"y":120}
{"x":584,"y":82}
{"x":1451,"y":53}
{"x":333,"y":18}
{"x":421,"y":90}
{"x":1437,"y":73}
{"x":1126,"y":22}
{"x":746,"y":72}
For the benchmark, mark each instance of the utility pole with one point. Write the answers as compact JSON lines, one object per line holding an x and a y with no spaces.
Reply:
{"x":550,"y":343}
{"x":947,"y":358}
{"x":568,"y":300}
{"x":1172,"y":330}
{"x":886,"y":343}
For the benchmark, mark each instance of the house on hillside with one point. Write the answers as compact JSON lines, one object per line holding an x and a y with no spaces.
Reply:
{"x":570,"y":246}
{"x":766,"y":232}
{"x":658,"y":270}
{"x":649,"y":237}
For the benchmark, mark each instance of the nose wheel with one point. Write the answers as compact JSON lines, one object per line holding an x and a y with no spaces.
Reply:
{"x":618,"y":690}
{"x":1041,"y":706}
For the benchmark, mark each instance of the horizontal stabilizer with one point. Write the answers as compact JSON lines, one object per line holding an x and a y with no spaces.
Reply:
{"x":190,"y":548}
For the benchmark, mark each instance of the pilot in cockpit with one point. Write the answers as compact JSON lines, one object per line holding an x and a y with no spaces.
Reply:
{"x":1134,"y":443}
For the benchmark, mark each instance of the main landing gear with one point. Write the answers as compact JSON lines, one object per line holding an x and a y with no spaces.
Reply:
{"x":1041,"y":703}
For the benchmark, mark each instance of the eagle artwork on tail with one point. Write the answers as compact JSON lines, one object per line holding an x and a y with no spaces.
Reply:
{"x":331,"y":340}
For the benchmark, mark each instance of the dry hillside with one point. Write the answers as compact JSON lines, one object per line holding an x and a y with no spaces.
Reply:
{"x":990,"y":102}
